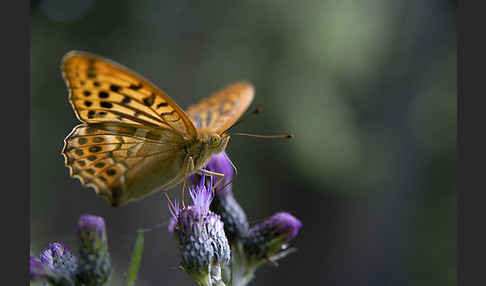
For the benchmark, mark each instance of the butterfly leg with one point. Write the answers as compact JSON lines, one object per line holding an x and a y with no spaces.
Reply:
{"x":210,"y":173}
{"x":189,"y":166}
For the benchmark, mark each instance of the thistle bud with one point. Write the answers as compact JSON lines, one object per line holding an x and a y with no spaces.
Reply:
{"x":94,"y":259}
{"x":271,"y":237}
{"x":200,"y":234}
{"x":224,"y":203}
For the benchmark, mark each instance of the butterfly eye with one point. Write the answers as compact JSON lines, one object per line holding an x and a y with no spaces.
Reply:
{"x":214,"y":140}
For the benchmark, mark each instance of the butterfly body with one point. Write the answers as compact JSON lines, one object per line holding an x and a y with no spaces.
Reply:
{"x":134,"y":139}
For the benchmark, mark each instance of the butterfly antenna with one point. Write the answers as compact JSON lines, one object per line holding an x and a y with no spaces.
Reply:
{"x":171,"y":204}
{"x":254,"y":112}
{"x":282,"y":136}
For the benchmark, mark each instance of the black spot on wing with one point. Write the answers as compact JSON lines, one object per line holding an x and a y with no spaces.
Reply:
{"x":99,"y":165}
{"x":94,"y":149}
{"x":103,"y":94}
{"x":114,"y":87}
{"x":106,"y":104}
{"x":135,"y":87}
{"x":148,"y":101}
{"x":162,"y":104}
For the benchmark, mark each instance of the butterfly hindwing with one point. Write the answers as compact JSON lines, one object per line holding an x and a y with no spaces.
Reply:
{"x":222,"y":108}
{"x":104,"y":91}
{"x":107,"y":157}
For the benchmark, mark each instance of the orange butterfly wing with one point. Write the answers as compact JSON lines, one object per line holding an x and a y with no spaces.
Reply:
{"x":133,"y":136}
{"x":109,"y":156}
{"x":103,"y":91}
{"x":221,"y":109}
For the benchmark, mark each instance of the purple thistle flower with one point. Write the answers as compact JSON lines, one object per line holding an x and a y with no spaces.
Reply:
{"x":219,"y":163}
{"x":59,"y":259}
{"x":200,"y":233}
{"x":56,"y":266}
{"x":270,"y":237}
{"x":38,"y":271}
{"x":202,"y":196}
{"x":174,"y":213}
{"x":224,"y":203}
{"x":94,"y":259}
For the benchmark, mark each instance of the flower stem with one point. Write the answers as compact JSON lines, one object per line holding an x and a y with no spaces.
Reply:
{"x":242,"y":270}
{"x":136,"y":260}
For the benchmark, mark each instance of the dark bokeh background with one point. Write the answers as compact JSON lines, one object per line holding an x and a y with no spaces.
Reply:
{"x":367,"y":87}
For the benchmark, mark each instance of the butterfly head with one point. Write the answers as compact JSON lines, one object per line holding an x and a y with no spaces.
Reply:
{"x":213,"y":142}
{"x":217,"y":143}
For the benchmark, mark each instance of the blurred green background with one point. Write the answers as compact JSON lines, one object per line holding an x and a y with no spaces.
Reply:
{"x":367,"y":87}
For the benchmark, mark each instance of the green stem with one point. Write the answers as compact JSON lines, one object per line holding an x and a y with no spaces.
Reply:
{"x":136,"y":260}
{"x":242,"y":270}
{"x":204,"y":280}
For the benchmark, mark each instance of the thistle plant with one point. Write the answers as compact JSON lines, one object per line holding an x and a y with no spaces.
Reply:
{"x":57,"y":266}
{"x":200,"y":233}
{"x":216,"y":243}
{"x":224,"y":203}
{"x":215,"y":211}
{"x":94,"y":260}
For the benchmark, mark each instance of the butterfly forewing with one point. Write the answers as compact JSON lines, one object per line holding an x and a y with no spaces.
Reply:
{"x":221,"y":109}
{"x":134,"y":135}
{"x":104,"y":91}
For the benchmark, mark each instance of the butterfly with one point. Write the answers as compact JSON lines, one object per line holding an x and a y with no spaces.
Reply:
{"x":134,"y":139}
